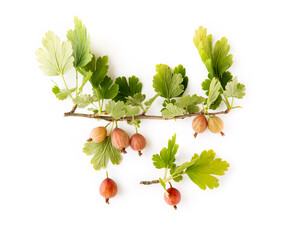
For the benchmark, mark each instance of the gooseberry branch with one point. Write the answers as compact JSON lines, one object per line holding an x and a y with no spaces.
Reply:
{"x":122,"y":100}
{"x":141,"y":116}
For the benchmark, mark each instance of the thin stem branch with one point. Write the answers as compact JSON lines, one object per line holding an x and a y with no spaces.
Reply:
{"x":62,"y":76}
{"x":166,"y":171}
{"x":149,"y":182}
{"x":141,"y":116}
{"x":76,"y":83}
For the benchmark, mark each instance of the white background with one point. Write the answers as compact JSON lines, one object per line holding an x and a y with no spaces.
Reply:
{"x":49,"y":189}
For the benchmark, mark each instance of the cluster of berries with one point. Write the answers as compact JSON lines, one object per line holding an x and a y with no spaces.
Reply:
{"x":119,"y":139}
{"x":214,"y":124}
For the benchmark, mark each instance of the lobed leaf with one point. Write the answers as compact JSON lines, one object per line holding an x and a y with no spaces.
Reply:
{"x":167,"y":84}
{"x":203,"y":43}
{"x":62,"y":94}
{"x":128,"y":88}
{"x":56,"y":58}
{"x":221,"y":61}
{"x":180,"y":69}
{"x":102,"y":152}
{"x":214,"y":91}
{"x":171,"y":111}
{"x":80,"y":43}
{"x":107,"y":89}
{"x":115,"y":109}
{"x":100,"y":71}
{"x":189,"y":103}
{"x":235,"y":89}
{"x":84,"y":100}
{"x":202,"y":168}
{"x":136,"y":99}
{"x":166,"y":158}
{"x":131,"y":111}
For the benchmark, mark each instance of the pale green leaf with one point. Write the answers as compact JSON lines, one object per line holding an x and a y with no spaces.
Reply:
{"x":235,"y":89}
{"x":149,"y":102}
{"x":131,"y":111}
{"x":214,"y":91}
{"x":102,"y":152}
{"x":56,"y":58}
{"x":115,"y":109}
{"x":189,"y":103}
{"x":85,"y":79}
{"x":136,"y":99}
{"x":62,"y":94}
{"x":171,"y":111}
{"x":84,"y":100}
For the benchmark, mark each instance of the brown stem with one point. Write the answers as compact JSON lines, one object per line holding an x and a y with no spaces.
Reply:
{"x":175,"y":207}
{"x":141,"y":116}
{"x":140,"y":153}
{"x":107,"y":200}
{"x":149,"y":182}
{"x":73,"y":109}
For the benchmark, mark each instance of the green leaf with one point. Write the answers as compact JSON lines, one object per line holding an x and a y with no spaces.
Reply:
{"x":149,"y":102}
{"x":180,"y":69}
{"x":85,"y":79}
{"x":171,"y":111}
{"x":57,"y":59}
{"x":175,"y":177}
{"x":235,"y":89}
{"x":162,"y":183}
{"x":225,"y":78}
{"x":84,"y":100}
{"x":62,"y":94}
{"x":94,"y":110}
{"x":102,"y":152}
{"x":167,"y":84}
{"x":131,"y":111}
{"x":203,"y":167}
{"x":91,"y":65}
{"x":80,"y":43}
{"x":216,"y":59}
{"x":203,"y":43}
{"x":127,"y":88}
{"x":115,"y":109}
{"x":189,"y":103}
{"x":166,"y":158}
{"x":214,"y":91}
{"x":220,"y":58}
{"x":181,"y":168}
{"x":107,"y":89}
{"x":136,"y":99}
{"x":214,"y":105}
{"x":55,"y":89}
{"x":100,"y":71}
{"x":205,"y":85}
